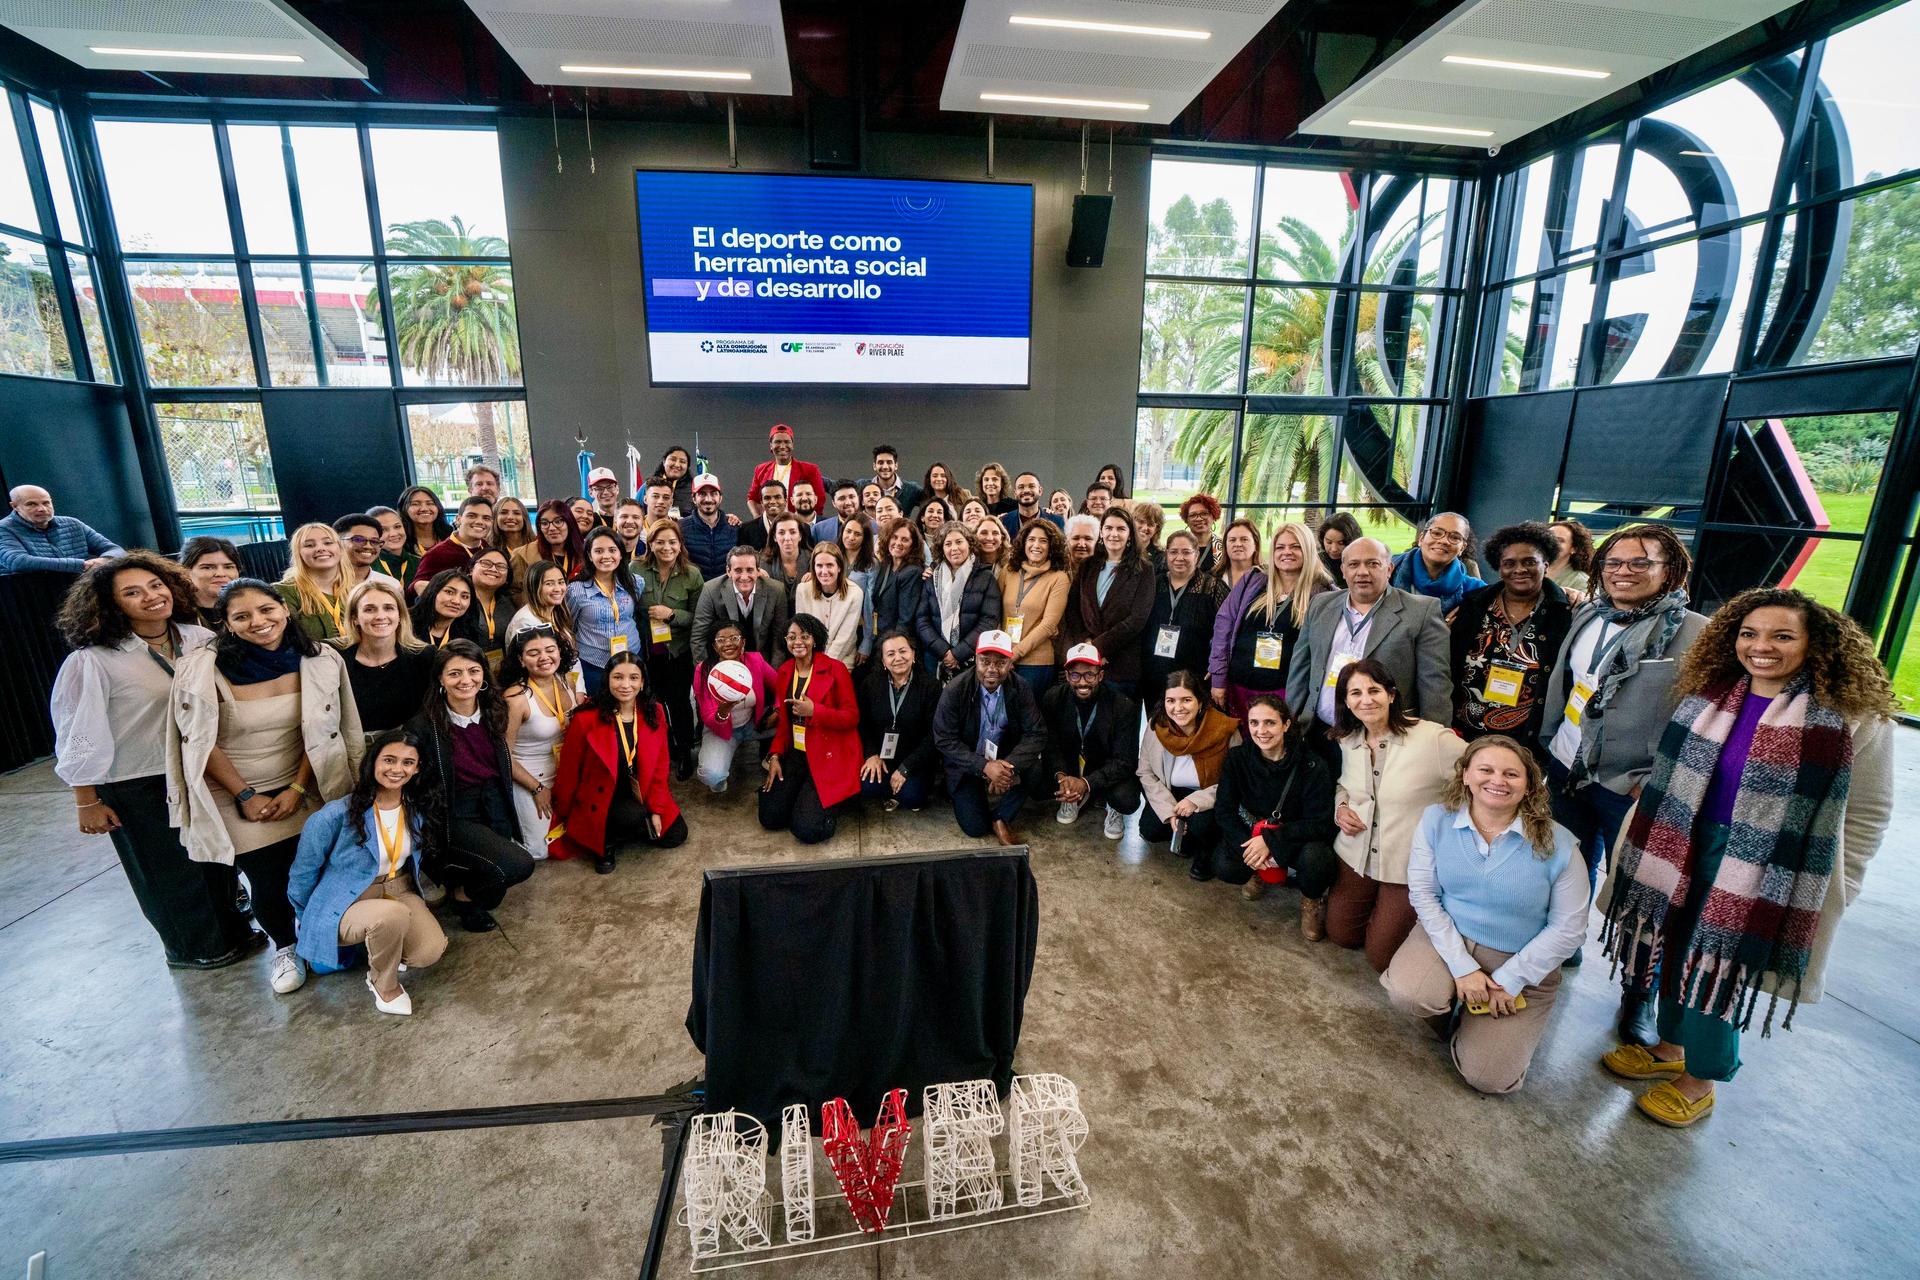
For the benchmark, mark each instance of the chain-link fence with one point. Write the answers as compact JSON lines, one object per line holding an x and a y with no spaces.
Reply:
{"x":217,"y":457}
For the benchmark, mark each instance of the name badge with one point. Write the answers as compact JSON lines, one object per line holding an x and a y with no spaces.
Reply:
{"x":1165,"y":643}
{"x":1012,"y":626}
{"x":799,"y":737}
{"x":616,"y":644}
{"x":992,"y":750}
{"x":1503,"y":685}
{"x":662,"y":632}
{"x":1340,"y":661}
{"x":1577,"y":701}
{"x":889,"y":745}
{"x":1266,"y":651}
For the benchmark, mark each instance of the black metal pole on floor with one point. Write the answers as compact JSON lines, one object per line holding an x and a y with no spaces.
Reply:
{"x":670,"y":1158}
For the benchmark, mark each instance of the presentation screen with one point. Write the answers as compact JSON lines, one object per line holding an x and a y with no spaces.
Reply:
{"x":802,"y":278}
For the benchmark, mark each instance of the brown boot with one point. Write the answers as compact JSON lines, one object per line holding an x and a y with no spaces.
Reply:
{"x":1313,"y":918}
{"x":1254,"y":889}
{"x":1004,"y":833}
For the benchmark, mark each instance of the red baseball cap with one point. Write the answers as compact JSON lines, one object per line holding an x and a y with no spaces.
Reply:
{"x":778,"y":427}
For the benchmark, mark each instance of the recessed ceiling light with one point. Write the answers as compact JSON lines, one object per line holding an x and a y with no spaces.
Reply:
{"x":1111,"y":28}
{"x":208,"y":54}
{"x":668,"y":73}
{"x":1066,"y":102}
{"x":1537,"y":68}
{"x":1449,"y":130}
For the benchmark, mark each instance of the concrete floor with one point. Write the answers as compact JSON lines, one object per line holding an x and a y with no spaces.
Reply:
{"x":1256,"y":1109}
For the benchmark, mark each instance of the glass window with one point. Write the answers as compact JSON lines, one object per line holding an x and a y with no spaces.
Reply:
{"x":193,"y":329}
{"x":53,"y":155}
{"x":217,"y":456}
{"x":33,"y":339}
{"x":1307,"y":221}
{"x":1383,"y":445}
{"x":1906,"y":663}
{"x":333,"y":195}
{"x":260,"y":176}
{"x":455,"y":324}
{"x":1285,"y":458}
{"x":440,"y":188}
{"x":1411,"y":235}
{"x":1875,"y":305}
{"x":1833,"y":464}
{"x":1728,"y":124}
{"x":1676,"y":309}
{"x":164,"y":180}
{"x":1190,"y":340}
{"x":1528,"y":252}
{"x":447,"y":439}
{"x":1564,"y":308}
{"x":1290,"y":355}
{"x":281,"y":298}
{"x":1390,"y":358}
{"x":1510,"y":312}
{"x":1868,"y":71}
{"x":1170,"y":458}
{"x":1201,"y":218}
{"x":87,"y":295}
{"x":1593,"y":171}
{"x":353,"y":345}
{"x":16,"y":195}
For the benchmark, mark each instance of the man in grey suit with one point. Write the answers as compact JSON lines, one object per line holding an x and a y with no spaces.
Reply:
{"x":1404,"y":632}
{"x":748,"y":597}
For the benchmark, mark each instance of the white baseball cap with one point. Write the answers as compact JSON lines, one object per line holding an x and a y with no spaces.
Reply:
{"x":705,"y":480}
{"x":598,"y":474}
{"x":994,"y":642}
{"x":1084,"y":652}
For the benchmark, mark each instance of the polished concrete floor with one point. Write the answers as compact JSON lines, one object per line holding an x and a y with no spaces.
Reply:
{"x":1256,"y":1108}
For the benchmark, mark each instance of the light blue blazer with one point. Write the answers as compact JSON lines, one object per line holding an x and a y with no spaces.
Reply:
{"x":333,"y":868}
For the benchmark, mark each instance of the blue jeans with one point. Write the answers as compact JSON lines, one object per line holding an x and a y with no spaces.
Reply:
{"x":592,"y":678}
{"x":912,"y":794}
{"x":1038,"y":677}
{"x":976,"y":811}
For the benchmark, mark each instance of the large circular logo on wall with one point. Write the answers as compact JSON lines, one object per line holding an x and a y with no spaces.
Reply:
{"x":918,"y":208}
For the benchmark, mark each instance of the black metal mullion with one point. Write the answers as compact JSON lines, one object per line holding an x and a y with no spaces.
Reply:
{"x":301,"y":246}
{"x":1441,"y":464}
{"x":1608,"y":242}
{"x":243,"y":266}
{"x":395,"y":378}
{"x":41,"y":187}
{"x":1792,"y":148}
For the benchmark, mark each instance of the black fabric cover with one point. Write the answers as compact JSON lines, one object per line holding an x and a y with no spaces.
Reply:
{"x":848,"y":978}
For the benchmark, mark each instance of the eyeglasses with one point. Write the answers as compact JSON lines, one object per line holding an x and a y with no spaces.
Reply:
{"x":358,"y":541}
{"x":1451,"y":539}
{"x":1639,"y":564}
{"x":554,"y":522}
{"x":1530,"y":562}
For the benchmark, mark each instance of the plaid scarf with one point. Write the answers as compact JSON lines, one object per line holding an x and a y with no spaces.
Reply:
{"x":1760,"y":913}
{"x":1649,"y":630}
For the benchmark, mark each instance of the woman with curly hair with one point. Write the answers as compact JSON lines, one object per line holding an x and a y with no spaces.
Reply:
{"x":1608,"y":700}
{"x":994,"y":488}
{"x":536,"y":677}
{"x":1770,"y":791}
{"x":1200,"y":513}
{"x":1501,"y":898}
{"x":129,"y":620}
{"x":1573,"y":560}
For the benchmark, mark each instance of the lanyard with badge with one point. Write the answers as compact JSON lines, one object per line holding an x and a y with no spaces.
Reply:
{"x":1505,"y":681}
{"x":629,"y":732}
{"x":1166,"y":641}
{"x":1269,"y":645}
{"x":1350,"y":650}
{"x":392,"y":843}
{"x":616,"y":638}
{"x":798,"y":691}
{"x":890,"y":740}
{"x":659,"y":631}
{"x":1013,"y":621}
{"x":1584,"y":687}
{"x":551,"y":708}
{"x":333,"y":612}
{"x":1086,"y":727}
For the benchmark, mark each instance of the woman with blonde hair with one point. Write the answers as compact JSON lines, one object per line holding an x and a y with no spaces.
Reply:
{"x":1501,"y":897}
{"x":994,"y":487}
{"x":991,"y":536}
{"x":386,"y":663}
{"x":315,"y":584}
{"x":1771,"y":789}
{"x":1149,"y":521}
{"x":1259,"y":622}
{"x":829,"y":594}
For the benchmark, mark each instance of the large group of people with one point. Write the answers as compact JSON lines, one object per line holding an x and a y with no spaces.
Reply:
{"x":1439,"y":765}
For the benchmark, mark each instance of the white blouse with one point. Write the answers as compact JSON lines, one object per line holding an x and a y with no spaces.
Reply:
{"x":112,"y":710}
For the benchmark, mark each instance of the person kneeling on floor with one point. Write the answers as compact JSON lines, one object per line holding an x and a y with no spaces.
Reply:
{"x":991,"y":738}
{"x":1274,"y":808}
{"x":1502,"y":900}
{"x":814,"y":764}
{"x":1091,"y":749}
{"x":613,"y":784}
{"x":354,"y":881}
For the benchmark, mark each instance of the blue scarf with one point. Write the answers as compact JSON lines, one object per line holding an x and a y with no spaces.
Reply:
{"x":1410,"y":574}
{"x":253,"y":665}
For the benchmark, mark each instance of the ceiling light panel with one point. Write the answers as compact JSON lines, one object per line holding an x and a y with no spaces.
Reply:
{"x":1500,"y":69}
{"x":215,"y":37}
{"x":738,"y":46}
{"x":1130,"y":60}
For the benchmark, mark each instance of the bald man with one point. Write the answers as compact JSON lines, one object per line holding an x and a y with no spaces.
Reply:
{"x":1371,"y":619}
{"x":33,"y":539}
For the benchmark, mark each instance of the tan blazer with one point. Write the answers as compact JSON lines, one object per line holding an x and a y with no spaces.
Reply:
{"x":1040,"y":615}
{"x":1415,"y":768}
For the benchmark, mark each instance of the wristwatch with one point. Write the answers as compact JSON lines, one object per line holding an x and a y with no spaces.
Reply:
{"x":245,"y":794}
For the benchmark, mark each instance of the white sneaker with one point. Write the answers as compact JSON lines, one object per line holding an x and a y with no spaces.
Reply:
{"x":402,"y":1004}
{"x":1116,"y":825}
{"x":431,"y":892}
{"x":289,"y":972}
{"x":722,"y":788}
{"x":1067,"y":813}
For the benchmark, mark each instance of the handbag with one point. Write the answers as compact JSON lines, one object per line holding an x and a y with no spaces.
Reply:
{"x":1275,"y":874}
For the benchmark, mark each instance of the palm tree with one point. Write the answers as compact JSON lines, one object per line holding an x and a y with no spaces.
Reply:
{"x":454,"y":321}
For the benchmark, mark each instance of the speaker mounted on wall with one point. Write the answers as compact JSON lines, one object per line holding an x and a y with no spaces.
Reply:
{"x":1087,"y":246}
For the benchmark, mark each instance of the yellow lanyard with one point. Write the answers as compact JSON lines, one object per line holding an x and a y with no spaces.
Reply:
{"x":629,"y":739}
{"x":333,"y":612}
{"x":392,"y":846}
{"x":442,"y":638}
{"x":613,"y":599}
{"x":800,"y":683}
{"x":487,"y":613}
{"x":551,"y":708}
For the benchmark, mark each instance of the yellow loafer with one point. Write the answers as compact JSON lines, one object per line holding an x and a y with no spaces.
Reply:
{"x":1670,"y":1107}
{"x":1634,"y":1062}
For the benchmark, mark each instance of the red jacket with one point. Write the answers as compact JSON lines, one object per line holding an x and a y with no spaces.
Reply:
{"x":834,"y":754}
{"x":589,"y":771}
{"x":799,"y":473}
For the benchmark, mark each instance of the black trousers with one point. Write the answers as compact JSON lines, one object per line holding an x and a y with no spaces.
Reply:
{"x":671,"y":679}
{"x":266,"y":872}
{"x":481,"y":856}
{"x":1203,"y":833}
{"x":794,"y":803}
{"x":629,"y":822}
{"x":1311,"y":868}
{"x":1122,"y":796}
{"x":188,"y":903}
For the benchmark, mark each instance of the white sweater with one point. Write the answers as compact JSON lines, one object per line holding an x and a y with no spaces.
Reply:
{"x":1415,"y":768}
{"x":841,"y":614}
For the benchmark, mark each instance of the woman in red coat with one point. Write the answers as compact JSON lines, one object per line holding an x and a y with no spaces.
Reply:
{"x":815,"y":761}
{"x":612,"y":785}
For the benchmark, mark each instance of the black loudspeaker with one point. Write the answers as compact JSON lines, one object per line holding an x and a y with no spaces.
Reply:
{"x":1087,"y":247}
{"x":833,"y":134}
